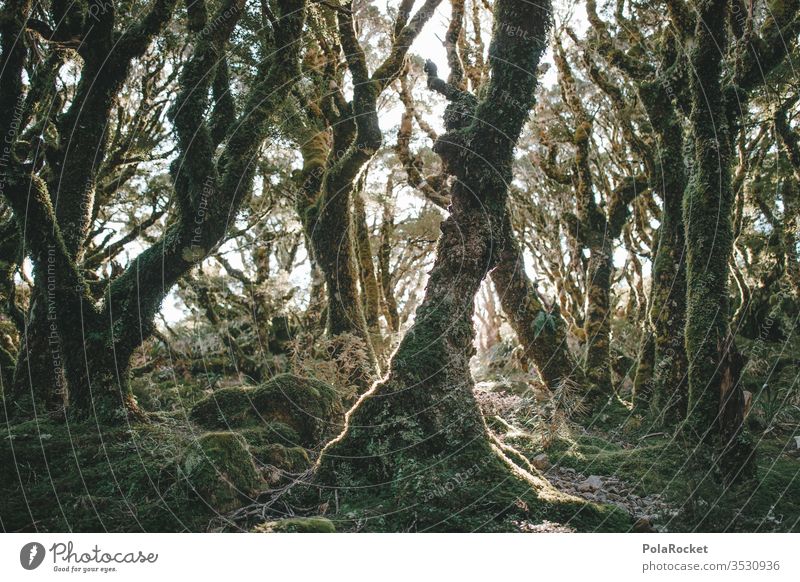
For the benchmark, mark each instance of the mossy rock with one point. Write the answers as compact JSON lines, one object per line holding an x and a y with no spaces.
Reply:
{"x":220,"y":469}
{"x":270,"y":433}
{"x":290,"y":459}
{"x":309,"y":407}
{"x":297,"y":525}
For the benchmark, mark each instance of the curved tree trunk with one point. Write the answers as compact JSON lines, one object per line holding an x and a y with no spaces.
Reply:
{"x":421,"y":428}
{"x":99,"y":340}
{"x":330,"y":181}
{"x":541,"y":332}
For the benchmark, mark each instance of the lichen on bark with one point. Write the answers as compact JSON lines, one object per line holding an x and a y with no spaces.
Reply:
{"x":420,"y":428}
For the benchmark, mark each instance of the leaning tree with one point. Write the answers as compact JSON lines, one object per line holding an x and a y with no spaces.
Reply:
{"x":51,"y":186}
{"x":416,"y":452}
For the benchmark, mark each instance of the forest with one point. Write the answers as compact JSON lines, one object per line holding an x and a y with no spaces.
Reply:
{"x":399,"y":266}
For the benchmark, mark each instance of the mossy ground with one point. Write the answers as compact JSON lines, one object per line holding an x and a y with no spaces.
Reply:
{"x":297,"y":525}
{"x":220,"y":468}
{"x":79,"y":477}
{"x":770,"y":503}
{"x":311,"y":408}
{"x":444,"y":495}
{"x":162,"y":476}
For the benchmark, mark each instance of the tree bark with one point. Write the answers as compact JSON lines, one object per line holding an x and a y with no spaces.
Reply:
{"x":668,"y":293}
{"x":421,"y":427}
{"x":329,"y":183}
{"x":714,"y":390}
{"x":99,"y":340}
{"x":542,"y":332}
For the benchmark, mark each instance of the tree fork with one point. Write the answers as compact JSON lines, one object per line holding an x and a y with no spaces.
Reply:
{"x":421,"y":427}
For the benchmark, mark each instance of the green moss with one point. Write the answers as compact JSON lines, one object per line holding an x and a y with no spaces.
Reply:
{"x":77,"y":477}
{"x":475,"y":486}
{"x":291,"y":459}
{"x":771,"y":503}
{"x":220,"y":470}
{"x":309,"y":407}
{"x":270,"y":433}
{"x":297,"y":525}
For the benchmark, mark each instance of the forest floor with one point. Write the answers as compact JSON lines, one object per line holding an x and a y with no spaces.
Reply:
{"x":173,"y":474}
{"x":615,"y":457}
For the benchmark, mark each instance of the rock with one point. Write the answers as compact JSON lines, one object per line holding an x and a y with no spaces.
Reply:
{"x":219,"y":469}
{"x":592,"y":483}
{"x":272,"y":446}
{"x":310,"y":407}
{"x":644,"y":525}
{"x":541,"y":462}
{"x":297,"y":525}
{"x":291,"y":459}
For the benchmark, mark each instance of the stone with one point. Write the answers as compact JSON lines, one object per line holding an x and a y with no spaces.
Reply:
{"x":541,"y":462}
{"x":644,"y":525}
{"x":219,"y":469}
{"x":592,"y":483}
{"x":312,"y":409}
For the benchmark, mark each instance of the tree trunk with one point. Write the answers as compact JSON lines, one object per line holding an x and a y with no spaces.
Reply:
{"x":329,"y":184}
{"x":643,"y":380}
{"x":384,"y":263}
{"x":367,"y":277}
{"x":541,"y":332}
{"x":39,"y":385}
{"x":332,"y":237}
{"x":668,"y":293}
{"x":420,"y":432}
{"x":99,"y":340}
{"x":708,"y":203}
{"x":598,"y":319}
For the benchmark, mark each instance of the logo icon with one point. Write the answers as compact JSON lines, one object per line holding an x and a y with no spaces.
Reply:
{"x":31,"y":555}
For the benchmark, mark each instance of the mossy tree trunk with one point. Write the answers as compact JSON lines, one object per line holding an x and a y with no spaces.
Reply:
{"x":715,"y":403}
{"x":660,"y":383}
{"x":370,"y":292}
{"x":643,"y":379}
{"x":421,"y":427}
{"x":541,"y":331}
{"x":334,"y":159}
{"x":595,"y":229}
{"x":98,"y":340}
{"x":385,"y":264}
{"x":72,"y":164}
{"x":668,"y":395}
{"x":790,"y":195}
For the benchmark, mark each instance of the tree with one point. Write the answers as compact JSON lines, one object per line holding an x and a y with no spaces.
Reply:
{"x":212,"y":176}
{"x":421,"y":427}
